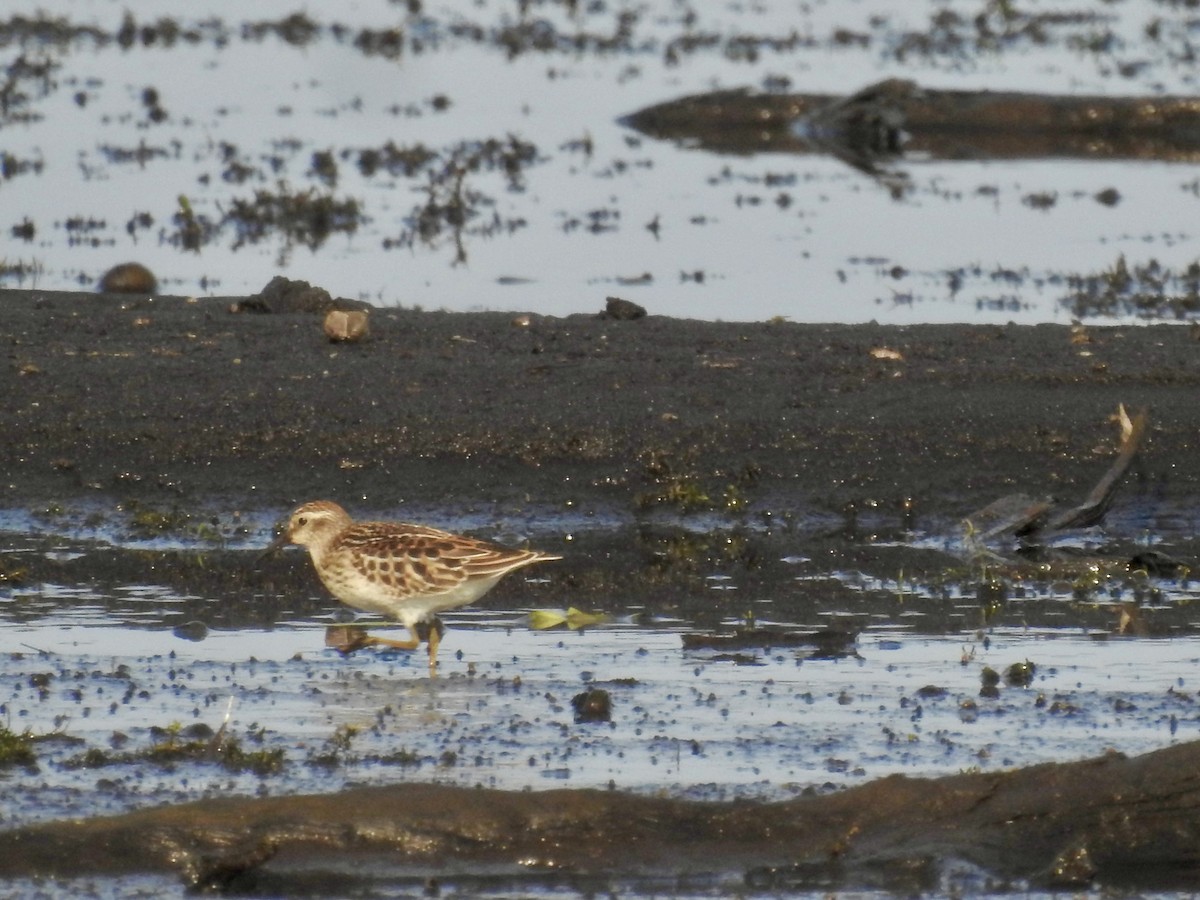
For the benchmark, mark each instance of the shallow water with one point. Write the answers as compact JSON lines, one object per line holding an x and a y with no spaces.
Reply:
{"x":109,"y":671}
{"x":598,"y":210}
{"x":760,"y":723}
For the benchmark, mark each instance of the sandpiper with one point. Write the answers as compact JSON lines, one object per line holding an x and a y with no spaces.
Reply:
{"x":409,"y":573}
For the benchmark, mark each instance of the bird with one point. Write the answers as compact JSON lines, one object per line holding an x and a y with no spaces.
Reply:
{"x":405,"y":572}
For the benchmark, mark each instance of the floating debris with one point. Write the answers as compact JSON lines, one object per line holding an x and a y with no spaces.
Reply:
{"x":542,"y":619}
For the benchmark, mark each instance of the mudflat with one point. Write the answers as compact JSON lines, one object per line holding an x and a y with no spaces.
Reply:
{"x":626,"y":445}
{"x":183,"y":401}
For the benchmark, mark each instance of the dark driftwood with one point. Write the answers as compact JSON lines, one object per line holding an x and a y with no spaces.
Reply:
{"x":1094,"y":507}
{"x":1110,"y":821}
{"x":1026,"y":517}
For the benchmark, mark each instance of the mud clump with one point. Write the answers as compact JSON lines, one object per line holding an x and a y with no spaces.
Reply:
{"x":622,"y":310}
{"x":594,"y":705}
{"x":286,"y":295}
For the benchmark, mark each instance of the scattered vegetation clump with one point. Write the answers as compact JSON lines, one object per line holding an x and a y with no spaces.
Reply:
{"x":540,"y":35}
{"x":175,"y":744}
{"x":22,"y":81}
{"x":297,"y":29}
{"x":677,"y":482}
{"x":402,"y":757}
{"x":139,"y":155}
{"x":19,"y":271}
{"x":192,"y":231}
{"x":12,"y":166}
{"x":453,"y":206}
{"x":1148,"y":291}
{"x":147,"y":521}
{"x":1000,"y":26}
{"x":236,"y":758}
{"x":16,"y":749}
{"x":11,"y":572}
{"x":167,"y":32}
{"x":336,"y":751}
{"x":685,"y":494}
{"x":387,"y":43}
{"x":674,"y":480}
{"x":449,"y":204}
{"x":25,"y":230}
{"x":306,"y":218}
{"x":395,"y":161}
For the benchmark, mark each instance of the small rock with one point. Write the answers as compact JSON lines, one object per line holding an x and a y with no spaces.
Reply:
{"x":198,"y":731}
{"x":990,"y":687}
{"x":346,"y":639}
{"x":1156,"y":564}
{"x":128,"y":278}
{"x":617,"y":308}
{"x":1073,"y":868}
{"x":287,"y":295}
{"x":191,"y":631}
{"x":343,"y":325}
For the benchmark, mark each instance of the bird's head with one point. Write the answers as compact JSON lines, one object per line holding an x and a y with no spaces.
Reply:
{"x":312,"y":525}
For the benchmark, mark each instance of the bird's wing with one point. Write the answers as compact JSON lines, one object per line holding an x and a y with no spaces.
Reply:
{"x":412,"y":559}
{"x":417,"y":559}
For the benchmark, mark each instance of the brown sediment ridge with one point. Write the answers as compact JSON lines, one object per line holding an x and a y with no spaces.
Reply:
{"x":1111,"y":820}
{"x":894,"y":116}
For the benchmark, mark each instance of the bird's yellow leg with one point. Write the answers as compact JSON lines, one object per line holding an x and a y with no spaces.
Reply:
{"x":412,"y":643}
{"x":348,"y":638}
{"x":435,"y":638}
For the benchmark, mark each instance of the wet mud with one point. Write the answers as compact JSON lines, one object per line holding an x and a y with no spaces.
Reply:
{"x":171,"y":402}
{"x":721,"y":479}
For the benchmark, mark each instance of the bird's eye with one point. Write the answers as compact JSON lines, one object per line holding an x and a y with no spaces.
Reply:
{"x":303,"y":520}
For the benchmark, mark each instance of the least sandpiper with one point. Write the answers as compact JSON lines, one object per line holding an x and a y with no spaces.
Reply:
{"x":409,"y":573}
